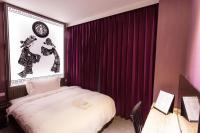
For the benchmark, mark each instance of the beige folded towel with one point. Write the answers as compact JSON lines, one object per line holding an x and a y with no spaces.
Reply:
{"x":81,"y":104}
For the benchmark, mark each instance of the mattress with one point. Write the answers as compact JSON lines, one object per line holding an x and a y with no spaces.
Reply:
{"x":64,"y":110}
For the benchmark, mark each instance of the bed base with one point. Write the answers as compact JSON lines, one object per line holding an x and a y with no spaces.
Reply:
{"x":106,"y":125}
{"x":15,"y":125}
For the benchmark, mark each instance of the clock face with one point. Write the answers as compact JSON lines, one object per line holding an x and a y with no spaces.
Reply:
{"x":40,"y":29}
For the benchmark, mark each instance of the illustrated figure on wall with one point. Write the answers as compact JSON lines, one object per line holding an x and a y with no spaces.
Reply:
{"x":27,"y":58}
{"x":46,"y":52}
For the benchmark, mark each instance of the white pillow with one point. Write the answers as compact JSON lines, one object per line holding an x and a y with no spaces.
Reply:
{"x":42,"y":85}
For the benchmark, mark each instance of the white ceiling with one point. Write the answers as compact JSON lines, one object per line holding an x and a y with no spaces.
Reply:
{"x":75,"y":12}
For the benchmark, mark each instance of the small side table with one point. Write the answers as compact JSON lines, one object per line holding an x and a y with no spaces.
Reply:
{"x":3,"y":114}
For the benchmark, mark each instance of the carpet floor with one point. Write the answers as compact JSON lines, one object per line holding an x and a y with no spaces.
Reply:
{"x":119,"y":125}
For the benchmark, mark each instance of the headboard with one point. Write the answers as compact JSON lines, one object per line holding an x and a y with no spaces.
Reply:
{"x":16,"y":92}
{"x":186,"y":89}
{"x":20,"y":91}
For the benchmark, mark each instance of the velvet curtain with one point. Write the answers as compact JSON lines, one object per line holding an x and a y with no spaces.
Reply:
{"x":115,"y":56}
{"x":3,"y":52}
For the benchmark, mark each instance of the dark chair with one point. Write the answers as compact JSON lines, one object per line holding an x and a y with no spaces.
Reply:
{"x":136,"y":117}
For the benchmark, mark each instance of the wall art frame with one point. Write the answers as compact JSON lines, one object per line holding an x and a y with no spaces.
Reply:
{"x":45,"y":38}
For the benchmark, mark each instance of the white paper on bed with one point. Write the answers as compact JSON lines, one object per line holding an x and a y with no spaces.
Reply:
{"x":65,"y":110}
{"x":164,"y":101}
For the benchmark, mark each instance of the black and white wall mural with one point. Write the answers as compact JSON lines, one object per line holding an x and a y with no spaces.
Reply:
{"x":36,"y":46}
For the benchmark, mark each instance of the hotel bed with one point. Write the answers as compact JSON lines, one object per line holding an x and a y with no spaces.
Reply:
{"x":63,"y":110}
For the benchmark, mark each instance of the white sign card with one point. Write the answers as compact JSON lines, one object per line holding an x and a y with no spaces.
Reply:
{"x":192,"y":107}
{"x":164,"y":101}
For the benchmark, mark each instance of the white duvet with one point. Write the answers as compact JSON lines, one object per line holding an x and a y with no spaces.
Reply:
{"x":65,"y":110}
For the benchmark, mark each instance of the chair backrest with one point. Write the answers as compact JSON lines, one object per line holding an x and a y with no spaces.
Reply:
{"x":136,"y":117}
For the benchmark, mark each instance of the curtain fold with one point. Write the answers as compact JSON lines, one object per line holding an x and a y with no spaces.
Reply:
{"x":115,"y":56}
{"x":3,"y":76}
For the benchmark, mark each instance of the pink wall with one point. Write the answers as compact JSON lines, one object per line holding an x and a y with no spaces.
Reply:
{"x":172,"y":41}
{"x":192,"y":71}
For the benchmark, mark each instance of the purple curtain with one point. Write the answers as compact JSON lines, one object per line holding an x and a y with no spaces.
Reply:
{"x":116,"y":56}
{"x":3,"y":52}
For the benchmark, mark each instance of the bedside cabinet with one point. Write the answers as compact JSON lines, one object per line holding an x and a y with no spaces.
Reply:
{"x":3,"y":114}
